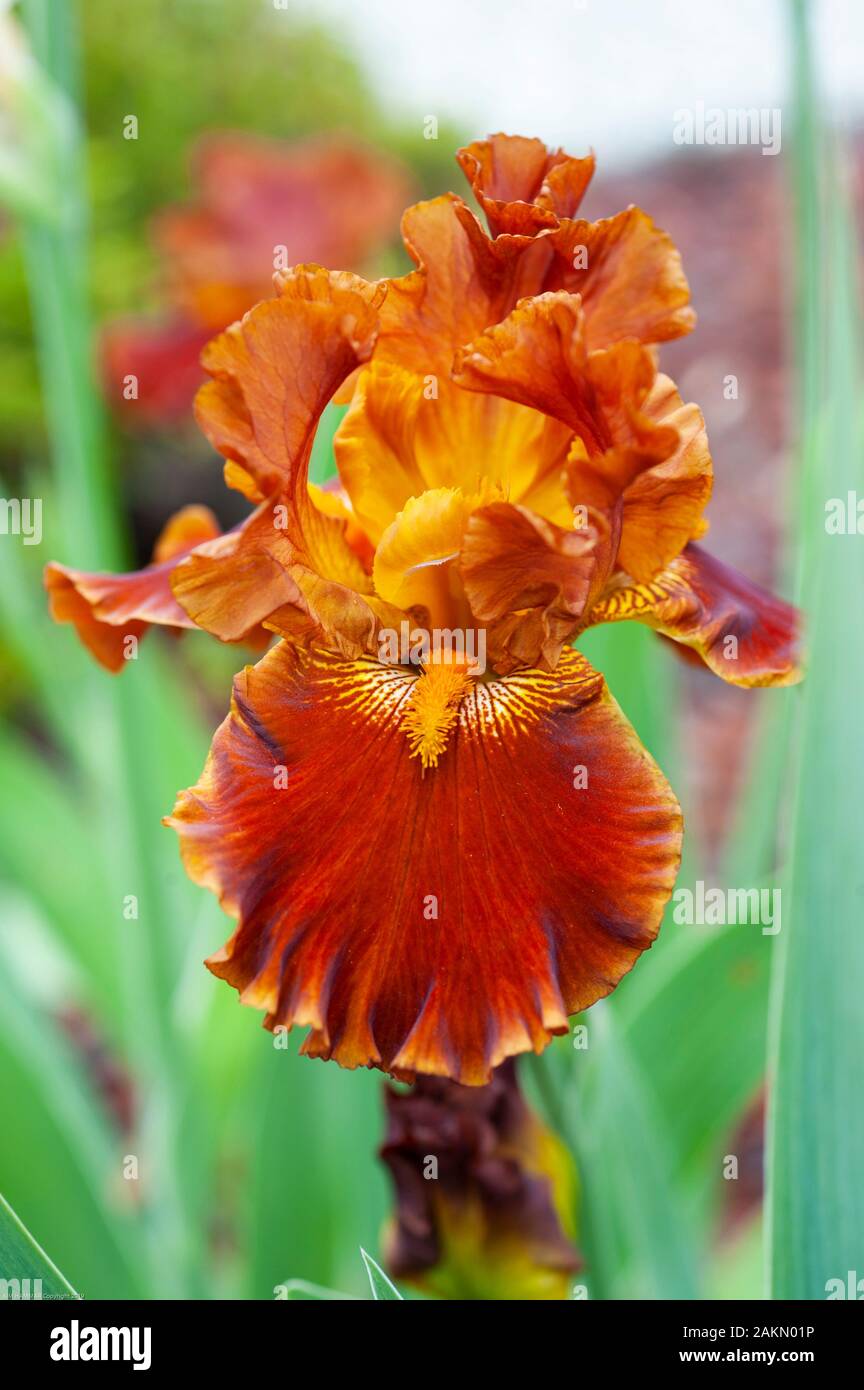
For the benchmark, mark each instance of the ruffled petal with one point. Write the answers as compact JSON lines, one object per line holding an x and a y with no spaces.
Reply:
{"x":625,"y":269}
{"x":414,"y":560}
{"x":106,"y":609}
{"x":663,"y":505}
{"x":629,"y":274}
{"x":521,"y":185}
{"x":640,"y":455}
{"x":528,"y":580}
{"x":371,"y":896}
{"x":743,"y":633}
{"x":230,"y":585}
{"x":450,"y":298}
{"x":537,"y":357}
{"x":275,"y":371}
{"x":241,"y":580}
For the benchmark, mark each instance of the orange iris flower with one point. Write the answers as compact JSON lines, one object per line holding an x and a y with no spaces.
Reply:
{"x":433,"y":866}
{"x":259,"y":202}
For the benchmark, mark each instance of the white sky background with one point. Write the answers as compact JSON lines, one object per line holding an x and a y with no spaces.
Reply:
{"x":607,"y":73}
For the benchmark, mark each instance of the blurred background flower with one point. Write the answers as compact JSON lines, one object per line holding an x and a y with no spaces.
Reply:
{"x":262,"y":207}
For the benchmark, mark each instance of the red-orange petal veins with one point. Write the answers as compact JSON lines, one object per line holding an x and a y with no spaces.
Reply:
{"x":435,"y":922}
{"x":743,"y":633}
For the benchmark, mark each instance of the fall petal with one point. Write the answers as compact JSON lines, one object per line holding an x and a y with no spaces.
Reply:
{"x":369,"y":893}
{"x":743,"y":633}
{"x":108,"y":608}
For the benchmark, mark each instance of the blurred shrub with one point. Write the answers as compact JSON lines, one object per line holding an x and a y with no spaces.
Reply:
{"x":183,"y":67}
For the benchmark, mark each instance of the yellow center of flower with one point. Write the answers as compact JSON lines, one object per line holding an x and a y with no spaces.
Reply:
{"x":433,"y":708}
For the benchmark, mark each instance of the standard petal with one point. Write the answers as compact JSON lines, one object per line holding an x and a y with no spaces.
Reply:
{"x":275,"y":371}
{"x":437,"y":921}
{"x":400,"y":438}
{"x":626,"y":270}
{"x":639,"y":454}
{"x":537,"y":357}
{"x":414,"y":560}
{"x":629,"y":275}
{"x":456,"y":291}
{"x":106,"y":609}
{"x":521,"y":185}
{"x":374,"y":445}
{"x":743,"y":633}
{"x":663,"y":505}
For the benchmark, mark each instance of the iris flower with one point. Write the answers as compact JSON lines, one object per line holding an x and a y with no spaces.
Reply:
{"x":258,"y":201}
{"x":433,"y":864}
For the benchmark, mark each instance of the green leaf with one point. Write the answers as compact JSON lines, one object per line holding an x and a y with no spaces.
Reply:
{"x":707,"y":1018}
{"x":302,"y":1289}
{"x":301,"y":1121}
{"x":380,"y":1284}
{"x":66,"y":1160}
{"x":633,"y":1230}
{"x":36,"y":129}
{"x":322,"y":463}
{"x":22,"y":1259}
{"x":816,"y":1120}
